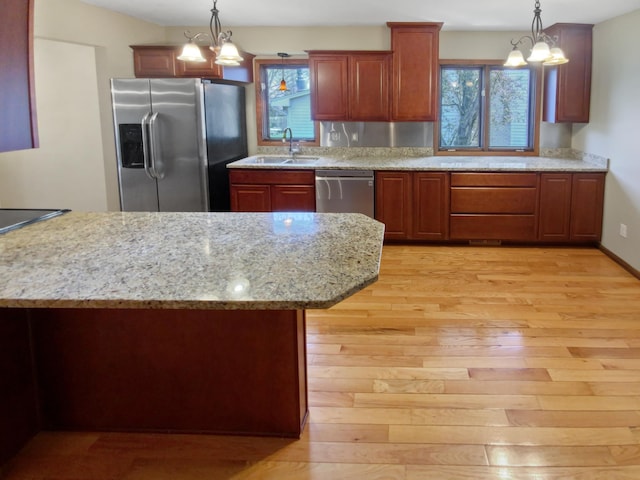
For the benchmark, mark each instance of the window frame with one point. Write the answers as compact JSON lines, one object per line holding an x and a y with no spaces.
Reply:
{"x":485,"y":150}
{"x":259,"y":66}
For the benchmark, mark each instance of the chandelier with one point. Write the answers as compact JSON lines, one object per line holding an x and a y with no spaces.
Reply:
{"x":543,"y":46}
{"x":221,"y":44}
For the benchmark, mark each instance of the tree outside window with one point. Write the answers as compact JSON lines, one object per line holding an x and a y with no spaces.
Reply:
{"x":280,"y":109}
{"x":486,"y":108}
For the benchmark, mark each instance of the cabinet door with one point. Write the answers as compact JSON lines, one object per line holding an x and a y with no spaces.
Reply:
{"x":250,"y":198}
{"x":393,"y":204}
{"x":431,"y":206}
{"x":207,"y":69}
{"x":587,"y":201}
{"x":567,"y":88}
{"x":154,"y":62}
{"x":369,"y":87}
{"x":329,"y":87}
{"x":415,"y":71}
{"x":555,"y":207}
{"x":293,"y":198}
{"x":18,"y":125}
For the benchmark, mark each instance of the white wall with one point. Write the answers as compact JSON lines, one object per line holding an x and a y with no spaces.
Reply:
{"x":613,"y":129}
{"x":67,"y":170}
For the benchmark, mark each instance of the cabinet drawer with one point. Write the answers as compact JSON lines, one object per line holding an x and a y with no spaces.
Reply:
{"x":492,"y":227}
{"x":273,"y":177}
{"x":473,"y":179}
{"x":493,"y":200}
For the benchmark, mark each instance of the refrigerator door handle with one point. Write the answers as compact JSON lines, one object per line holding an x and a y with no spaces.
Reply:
{"x":146,"y":145}
{"x":153,"y":151}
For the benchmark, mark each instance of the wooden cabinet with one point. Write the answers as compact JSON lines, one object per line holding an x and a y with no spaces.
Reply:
{"x":493,"y":206}
{"x":567,"y":88}
{"x":329,"y":86}
{"x":555,"y":207}
{"x":431,"y":206}
{"x":496,"y":206}
{"x":349,"y":85}
{"x":571,"y":207}
{"x":369,"y":86}
{"x":250,"y":198}
{"x":401,"y":85}
{"x":254,"y":190}
{"x":17,"y":91}
{"x":154,"y":61}
{"x":415,"y":71}
{"x":293,"y":198}
{"x":587,"y":202}
{"x":393,"y":200}
{"x":160,"y":61}
{"x":413,"y":205}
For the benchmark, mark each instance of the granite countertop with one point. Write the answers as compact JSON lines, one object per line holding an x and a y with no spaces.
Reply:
{"x":435,"y":163}
{"x":189,"y":260}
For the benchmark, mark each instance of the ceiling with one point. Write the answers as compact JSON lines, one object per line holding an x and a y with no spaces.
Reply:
{"x":456,"y":14}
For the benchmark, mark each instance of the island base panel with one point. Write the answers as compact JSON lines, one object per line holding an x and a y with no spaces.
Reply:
{"x":19,"y":413}
{"x":216,"y":371}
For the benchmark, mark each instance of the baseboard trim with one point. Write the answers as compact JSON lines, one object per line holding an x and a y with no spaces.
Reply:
{"x":619,"y":261}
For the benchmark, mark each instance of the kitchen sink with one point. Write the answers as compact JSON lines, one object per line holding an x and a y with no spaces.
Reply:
{"x":301,"y":161}
{"x":270,"y":160}
{"x":282,"y":160}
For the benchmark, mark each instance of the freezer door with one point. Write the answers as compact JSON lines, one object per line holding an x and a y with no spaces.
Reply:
{"x":226,"y":128}
{"x":131,"y":106}
{"x":178,"y":144}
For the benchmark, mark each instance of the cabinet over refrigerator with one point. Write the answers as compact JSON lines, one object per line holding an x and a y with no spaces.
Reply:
{"x":174,"y":138}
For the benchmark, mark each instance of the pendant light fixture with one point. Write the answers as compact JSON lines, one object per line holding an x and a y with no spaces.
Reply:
{"x":226,"y":52}
{"x":283,"y":82}
{"x":543,"y":46}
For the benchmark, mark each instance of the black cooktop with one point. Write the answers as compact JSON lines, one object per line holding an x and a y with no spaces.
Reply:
{"x":12,"y":218}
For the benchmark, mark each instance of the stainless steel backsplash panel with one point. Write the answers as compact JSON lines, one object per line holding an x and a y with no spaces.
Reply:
{"x":376,"y":134}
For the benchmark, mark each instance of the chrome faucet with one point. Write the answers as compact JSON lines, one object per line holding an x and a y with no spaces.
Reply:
{"x":292,"y":150}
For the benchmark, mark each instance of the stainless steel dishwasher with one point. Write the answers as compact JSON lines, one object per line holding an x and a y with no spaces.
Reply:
{"x":345,"y":191}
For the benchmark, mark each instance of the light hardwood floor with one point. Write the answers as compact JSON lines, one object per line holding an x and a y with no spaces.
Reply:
{"x":460,"y":363}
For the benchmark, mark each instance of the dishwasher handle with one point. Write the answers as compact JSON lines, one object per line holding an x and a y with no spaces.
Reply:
{"x":344,"y":174}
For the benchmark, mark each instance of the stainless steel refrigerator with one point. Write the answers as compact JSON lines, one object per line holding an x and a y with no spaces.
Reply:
{"x":174,"y":138}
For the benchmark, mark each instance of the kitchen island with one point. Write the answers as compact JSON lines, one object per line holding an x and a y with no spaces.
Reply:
{"x":183,"y":322}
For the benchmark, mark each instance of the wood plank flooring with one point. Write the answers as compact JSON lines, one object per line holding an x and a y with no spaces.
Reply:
{"x":460,"y":363}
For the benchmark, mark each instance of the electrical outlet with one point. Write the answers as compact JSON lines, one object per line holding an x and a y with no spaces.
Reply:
{"x":623,"y":230}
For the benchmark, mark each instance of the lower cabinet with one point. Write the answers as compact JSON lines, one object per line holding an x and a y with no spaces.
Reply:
{"x":526,"y":207}
{"x":493,"y":206}
{"x":413,"y":205}
{"x":254,"y":190}
{"x":571,"y":207}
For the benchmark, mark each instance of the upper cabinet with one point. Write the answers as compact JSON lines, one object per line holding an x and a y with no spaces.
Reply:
{"x":415,"y":71}
{"x":160,"y":61}
{"x":401,"y":85}
{"x":17,"y":92}
{"x":329,"y":86}
{"x":567,"y":88}
{"x":349,"y":85}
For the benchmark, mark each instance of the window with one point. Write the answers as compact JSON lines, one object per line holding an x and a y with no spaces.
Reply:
{"x":280,"y":109}
{"x":487,"y":108}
